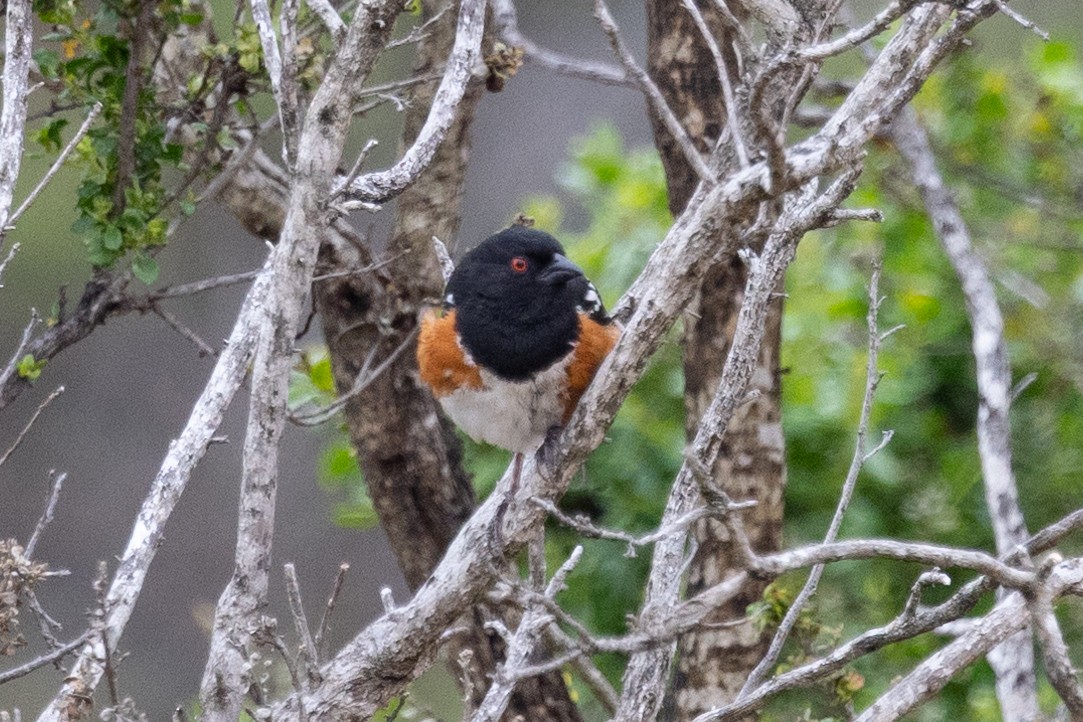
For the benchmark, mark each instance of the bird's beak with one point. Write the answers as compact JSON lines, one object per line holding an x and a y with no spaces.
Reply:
{"x":561,"y":270}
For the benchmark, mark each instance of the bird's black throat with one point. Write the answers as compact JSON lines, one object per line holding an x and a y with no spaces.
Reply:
{"x":516,"y":343}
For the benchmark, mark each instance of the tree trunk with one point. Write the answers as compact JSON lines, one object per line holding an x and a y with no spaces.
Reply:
{"x":714,"y":662}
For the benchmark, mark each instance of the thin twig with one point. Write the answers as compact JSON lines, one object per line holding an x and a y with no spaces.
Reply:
{"x":364,"y":379}
{"x":47,"y":515}
{"x":46,"y":624}
{"x":55,"y":167}
{"x":24,"y":341}
{"x":1025,"y":22}
{"x":857,"y":461}
{"x":7,"y":259}
{"x":724,"y":80}
{"x":54,"y":656}
{"x":307,"y":656}
{"x":207,"y":284}
{"x":205,"y":349}
{"x":418,"y":32}
{"x":358,"y":164}
{"x":654,"y":95}
{"x":507,"y":21}
{"x":854,"y":38}
{"x":272,"y":60}
{"x":925,"y":579}
{"x":590,"y":674}
{"x":585,"y":527}
{"x":329,"y":609}
{"x":33,"y":418}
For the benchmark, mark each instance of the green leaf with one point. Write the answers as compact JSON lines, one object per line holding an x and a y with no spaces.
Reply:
{"x":145,"y":268}
{"x":48,"y":62}
{"x":112,"y":238}
{"x":30,"y":368}
{"x":49,"y":136}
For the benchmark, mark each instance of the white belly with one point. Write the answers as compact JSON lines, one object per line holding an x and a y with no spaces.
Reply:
{"x":512,"y":415}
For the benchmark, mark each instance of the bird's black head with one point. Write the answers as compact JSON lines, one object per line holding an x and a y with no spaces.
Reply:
{"x":516,"y":297}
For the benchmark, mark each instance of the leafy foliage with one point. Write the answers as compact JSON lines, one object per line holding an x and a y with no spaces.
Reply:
{"x":134,"y":173}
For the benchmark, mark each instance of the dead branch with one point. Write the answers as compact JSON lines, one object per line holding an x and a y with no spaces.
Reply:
{"x":929,"y":677}
{"x":29,"y":424}
{"x":506,"y":19}
{"x":47,"y":514}
{"x":184,"y":453}
{"x":860,"y":456}
{"x":1018,"y":699}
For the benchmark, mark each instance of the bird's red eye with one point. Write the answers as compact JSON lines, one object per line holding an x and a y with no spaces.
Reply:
{"x":518,"y":264}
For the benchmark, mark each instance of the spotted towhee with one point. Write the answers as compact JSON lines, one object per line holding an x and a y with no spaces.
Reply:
{"x":521,"y":334}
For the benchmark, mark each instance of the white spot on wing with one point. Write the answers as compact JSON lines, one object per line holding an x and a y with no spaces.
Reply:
{"x":592,"y":302}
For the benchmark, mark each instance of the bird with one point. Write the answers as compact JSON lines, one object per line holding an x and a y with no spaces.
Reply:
{"x":518,"y":339}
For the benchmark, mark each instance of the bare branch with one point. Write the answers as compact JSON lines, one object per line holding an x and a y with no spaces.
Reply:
{"x":7,"y":259}
{"x":308,"y":656}
{"x":405,"y":641}
{"x":272,"y":59}
{"x":653,"y":94}
{"x":188,"y":334}
{"x":507,"y":21}
{"x":1019,"y":700}
{"x":925,"y":579}
{"x":292,"y":262}
{"x":583,"y":526}
{"x":928,"y":554}
{"x":329,"y":17}
{"x":34,"y":417}
{"x":289,"y":103}
{"x":902,"y":627}
{"x":50,"y":658}
{"x":8,"y":374}
{"x":928,"y":678}
{"x":47,"y":515}
{"x":1022,"y":20}
{"x":592,"y":676}
{"x":328,"y":610}
{"x":380,"y":186}
{"x":364,"y":379}
{"x":57,"y":164}
{"x":853,"y":39}
{"x":358,"y":164}
{"x":1058,"y":665}
{"x":184,"y":453}
{"x":723,"y":79}
{"x":646,"y":672}
{"x":527,"y":637}
{"x":447,"y":266}
{"x":418,"y":32}
{"x":857,"y":461}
